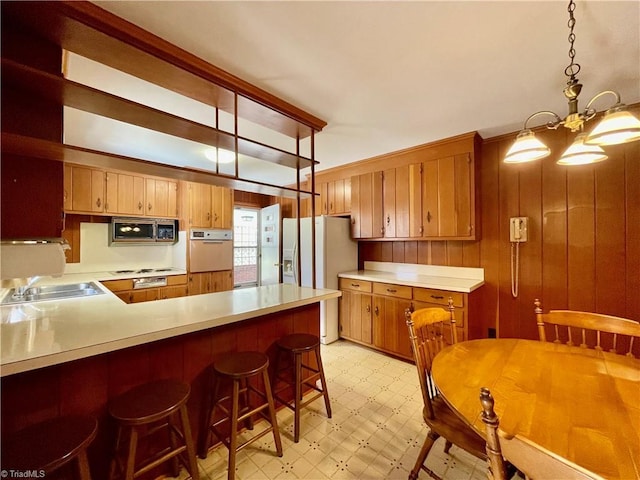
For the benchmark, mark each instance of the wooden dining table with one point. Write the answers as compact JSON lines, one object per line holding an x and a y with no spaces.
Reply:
{"x":580,"y":404}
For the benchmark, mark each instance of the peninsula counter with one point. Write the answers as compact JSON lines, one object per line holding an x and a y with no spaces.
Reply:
{"x":72,"y":356}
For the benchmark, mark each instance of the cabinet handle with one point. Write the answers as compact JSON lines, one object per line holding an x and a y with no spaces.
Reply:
{"x":391,"y":290}
{"x":368,"y":308}
{"x":98,"y":203}
{"x":139,"y":205}
{"x":208,"y":216}
{"x":149,"y":206}
{"x":388,"y":220}
{"x":382,"y":231}
{"x":376,"y":311}
{"x":428,"y":216}
{"x":355,"y":285}
{"x":437,"y":297}
{"x":215,"y":217}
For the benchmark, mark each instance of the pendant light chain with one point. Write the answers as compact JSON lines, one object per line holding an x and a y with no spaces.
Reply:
{"x":573,"y":68}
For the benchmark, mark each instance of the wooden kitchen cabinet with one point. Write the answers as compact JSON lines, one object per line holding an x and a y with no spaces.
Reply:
{"x":123,"y":289}
{"x":429,"y":298}
{"x":389,"y":203}
{"x":447,"y":197}
{"x":367,"y":196}
{"x":429,"y":194}
{"x":355,"y":311}
{"x":161,"y":198}
{"x":389,"y":326}
{"x":373,"y":313}
{"x":222,"y":207}
{"x":86,"y":189}
{"x":210,"y":206}
{"x":210,"y":282}
{"x":107,"y":192}
{"x":125,"y":194}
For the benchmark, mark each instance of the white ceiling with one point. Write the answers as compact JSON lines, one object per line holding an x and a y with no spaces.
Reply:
{"x":388,"y":75}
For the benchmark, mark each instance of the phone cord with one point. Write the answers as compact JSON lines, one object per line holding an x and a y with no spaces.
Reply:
{"x":514,"y":281}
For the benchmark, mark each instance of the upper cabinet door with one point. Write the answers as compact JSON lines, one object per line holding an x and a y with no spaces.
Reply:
{"x":222,"y":207}
{"x":200,"y":205}
{"x":125,"y":194}
{"x":447,"y":197}
{"x":87,"y":189}
{"x":390,"y":206}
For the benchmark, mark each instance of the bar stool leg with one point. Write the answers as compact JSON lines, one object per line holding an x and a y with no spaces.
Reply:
{"x":114,"y":464}
{"x":173,"y":441}
{"x":325,"y":393}
{"x":131,"y":458}
{"x":298,"y":396}
{"x":84,"y":473}
{"x":245,"y":398}
{"x":233,"y":440}
{"x":205,"y":433}
{"x":272,"y":413}
{"x":191,"y":456}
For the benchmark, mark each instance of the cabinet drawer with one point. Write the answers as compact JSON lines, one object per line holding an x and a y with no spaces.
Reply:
{"x":355,"y":285}
{"x":176,"y":280}
{"x":118,"y":285}
{"x":440,"y":297}
{"x":390,"y":290}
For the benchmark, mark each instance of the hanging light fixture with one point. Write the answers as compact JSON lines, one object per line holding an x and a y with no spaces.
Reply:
{"x":617,"y":126}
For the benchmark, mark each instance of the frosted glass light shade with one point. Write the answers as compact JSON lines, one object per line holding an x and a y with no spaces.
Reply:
{"x":617,"y":126}
{"x":526,"y":148}
{"x":580,"y":153}
{"x":220,"y":155}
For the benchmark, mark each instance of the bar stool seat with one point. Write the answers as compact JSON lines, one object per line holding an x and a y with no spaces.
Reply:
{"x":142,"y":412}
{"x":296,"y":344}
{"x":239,"y":368}
{"x":50,"y":445}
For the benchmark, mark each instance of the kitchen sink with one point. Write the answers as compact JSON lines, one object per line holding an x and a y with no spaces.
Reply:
{"x":52,"y":292}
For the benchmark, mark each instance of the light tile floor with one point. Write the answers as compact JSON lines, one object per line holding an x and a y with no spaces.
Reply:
{"x":376,"y":430}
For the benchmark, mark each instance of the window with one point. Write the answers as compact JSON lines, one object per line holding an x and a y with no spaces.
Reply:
{"x":245,"y":247}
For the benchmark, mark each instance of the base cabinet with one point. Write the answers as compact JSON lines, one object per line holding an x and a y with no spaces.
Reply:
{"x":210,"y":282}
{"x":123,"y":289}
{"x":356,"y":311}
{"x":373,"y":313}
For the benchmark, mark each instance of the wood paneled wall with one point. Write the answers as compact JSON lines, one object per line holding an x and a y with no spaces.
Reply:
{"x":583,"y":251}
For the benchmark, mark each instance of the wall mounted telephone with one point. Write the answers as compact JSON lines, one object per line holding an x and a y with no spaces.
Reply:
{"x":518,"y":227}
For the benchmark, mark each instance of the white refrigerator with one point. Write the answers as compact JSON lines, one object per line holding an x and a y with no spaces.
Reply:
{"x":335,"y":252}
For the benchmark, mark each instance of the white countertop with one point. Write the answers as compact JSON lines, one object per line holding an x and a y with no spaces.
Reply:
{"x":40,"y":334}
{"x":455,"y":279}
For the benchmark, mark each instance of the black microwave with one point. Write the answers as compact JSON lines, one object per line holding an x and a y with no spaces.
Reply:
{"x":143,"y":231}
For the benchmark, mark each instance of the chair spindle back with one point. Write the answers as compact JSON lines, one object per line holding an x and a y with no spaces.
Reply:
{"x":589,"y":330}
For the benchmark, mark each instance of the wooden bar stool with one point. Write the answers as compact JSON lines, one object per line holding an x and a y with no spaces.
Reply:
{"x":144,"y":411}
{"x":239,"y":368}
{"x":50,"y":445}
{"x":296,"y":344}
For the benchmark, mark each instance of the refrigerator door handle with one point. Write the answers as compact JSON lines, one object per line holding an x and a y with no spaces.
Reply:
{"x":295,"y":263}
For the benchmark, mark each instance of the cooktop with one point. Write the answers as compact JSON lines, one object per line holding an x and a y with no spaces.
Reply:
{"x":144,"y":270}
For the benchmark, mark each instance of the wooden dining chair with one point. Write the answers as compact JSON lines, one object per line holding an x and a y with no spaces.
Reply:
{"x":589,"y":330}
{"x":430,"y":330}
{"x":532,"y":460}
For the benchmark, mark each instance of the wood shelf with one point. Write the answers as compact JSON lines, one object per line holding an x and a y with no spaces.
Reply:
{"x":88,"y":99}
{"x":92,"y":32}
{"x":37,"y":148}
